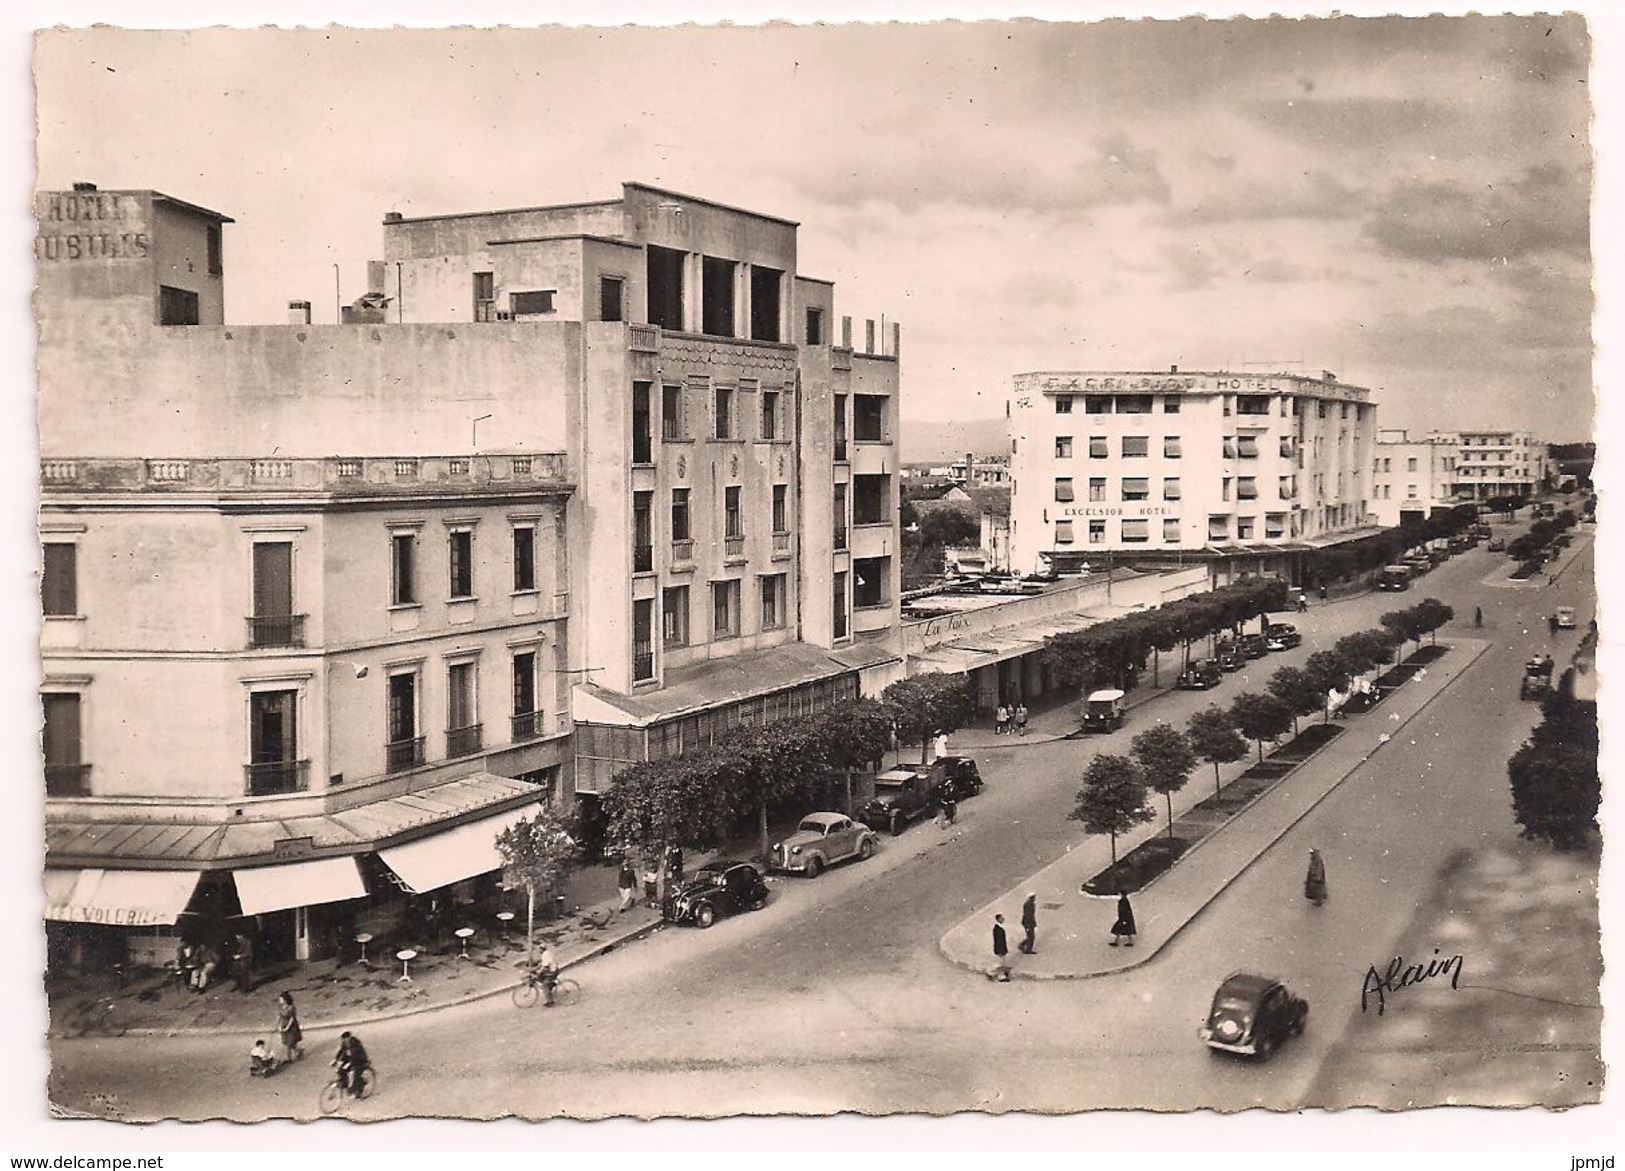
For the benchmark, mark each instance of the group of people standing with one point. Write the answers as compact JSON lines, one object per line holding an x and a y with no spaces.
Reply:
{"x":1123,"y":932}
{"x":627,"y":881}
{"x":1010,"y":720}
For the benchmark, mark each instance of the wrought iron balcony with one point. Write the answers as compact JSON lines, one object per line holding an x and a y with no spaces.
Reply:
{"x":67,"y":780}
{"x":403,"y":754}
{"x":275,"y":630}
{"x":463,"y":741}
{"x":276,"y":776}
{"x":527,"y":726}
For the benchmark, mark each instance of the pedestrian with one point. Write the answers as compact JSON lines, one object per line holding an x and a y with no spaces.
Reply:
{"x":950,"y":808}
{"x":674,"y":867}
{"x":941,"y":818}
{"x":651,"y":884}
{"x":1551,"y":623}
{"x":242,"y":962}
{"x":1478,"y":616}
{"x":628,"y":884}
{"x":260,"y":1061}
{"x":287,"y":1028}
{"x":1029,"y":924}
{"x":1314,"y":883}
{"x":939,"y":746}
{"x":1021,"y":719}
{"x":1322,"y":591}
{"x":208,"y":959}
{"x":1303,"y":602}
{"x":1001,"y":952}
{"x":1001,"y":720}
{"x":1123,"y":931}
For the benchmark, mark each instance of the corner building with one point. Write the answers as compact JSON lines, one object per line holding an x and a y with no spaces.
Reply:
{"x":1243,"y":472}
{"x":328,"y":606}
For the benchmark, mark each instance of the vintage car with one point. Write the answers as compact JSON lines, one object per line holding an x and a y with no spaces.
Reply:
{"x":901,"y":795}
{"x":1254,"y":646}
{"x":1565,"y":617}
{"x":1103,"y":711}
{"x":822,"y":839}
{"x":1230,"y":657}
{"x":1497,"y":545}
{"x":717,"y":889}
{"x":1200,"y":675}
{"x":1251,"y":1015}
{"x":954,"y":777}
{"x":1279,"y":636}
{"x":1394,"y":577}
{"x":1537,"y":678}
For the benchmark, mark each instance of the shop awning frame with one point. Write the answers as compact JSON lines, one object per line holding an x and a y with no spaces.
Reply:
{"x":441,"y":859}
{"x":262,"y":889}
{"x":118,"y":898}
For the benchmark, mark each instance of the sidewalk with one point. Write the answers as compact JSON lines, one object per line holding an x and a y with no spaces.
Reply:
{"x":1055,"y":722}
{"x":1073,"y":928}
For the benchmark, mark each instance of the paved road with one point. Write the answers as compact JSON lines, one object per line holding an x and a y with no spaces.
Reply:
{"x":836,"y":998}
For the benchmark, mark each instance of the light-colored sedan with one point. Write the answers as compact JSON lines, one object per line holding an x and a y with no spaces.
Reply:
{"x":822,"y":839}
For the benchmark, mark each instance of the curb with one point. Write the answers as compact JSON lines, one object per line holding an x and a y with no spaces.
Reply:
{"x":1054,"y":737}
{"x":1017,"y":974}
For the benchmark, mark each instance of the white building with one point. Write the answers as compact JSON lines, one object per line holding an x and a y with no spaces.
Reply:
{"x":1244,"y":471}
{"x":1412,"y":477}
{"x":1495,"y":463}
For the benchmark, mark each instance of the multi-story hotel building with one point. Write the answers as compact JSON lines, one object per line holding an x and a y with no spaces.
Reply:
{"x":1245,"y":471}
{"x":1495,"y":463}
{"x":1412,"y":477}
{"x":326,"y":606}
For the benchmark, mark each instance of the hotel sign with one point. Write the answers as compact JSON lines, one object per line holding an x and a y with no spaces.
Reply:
{"x":89,"y":225}
{"x":1121,"y":510}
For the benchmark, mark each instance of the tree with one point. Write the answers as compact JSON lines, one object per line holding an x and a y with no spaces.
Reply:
{"x":1112,"y":800}
{"x":1213,"y":737}
{"x":1165,"y":758}
{"x":924,"y":705}
{"x":1260,"y":717}
{"x":1556,"y":791}
{"x":538,"y":854}
{"x":1431,"y":614}
{"x":853,"y":735}
{"x":949,"y":526}
{"x":1403,"y":625}
{"x":1327,"y":671}
{"x":1296,"y":689}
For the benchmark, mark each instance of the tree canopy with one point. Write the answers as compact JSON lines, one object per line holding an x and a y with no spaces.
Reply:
{"x":1260,"y":717}
{"x":1112,"y":799}
{"x":1166,"y":759}
{"x":1213,"y":737}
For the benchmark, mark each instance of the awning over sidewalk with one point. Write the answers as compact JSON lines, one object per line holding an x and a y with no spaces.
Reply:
{"x":433,"y":862}
{"x":298,"y":884}
{"x":118,"y":898}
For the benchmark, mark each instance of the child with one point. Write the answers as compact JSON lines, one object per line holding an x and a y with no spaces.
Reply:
{"x":651,"y":885}
{"x":260,"y":1061}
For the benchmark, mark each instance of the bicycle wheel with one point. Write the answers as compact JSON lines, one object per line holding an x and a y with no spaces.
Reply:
{"x":369,"y":1082}
{"x":526,"y":995}
{"x":566,"y":992}
{"x":330,"y":1098}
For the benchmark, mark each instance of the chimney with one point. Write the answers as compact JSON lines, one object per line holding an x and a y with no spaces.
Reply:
{"x":1173,"y":369}
{"x":298,"y":312}
{"x":375,"y":276}
{"x":392,"y":217}
{"x":83,"y":186}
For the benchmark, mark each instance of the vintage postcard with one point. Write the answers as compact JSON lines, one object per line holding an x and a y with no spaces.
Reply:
{"x":867,"y":568}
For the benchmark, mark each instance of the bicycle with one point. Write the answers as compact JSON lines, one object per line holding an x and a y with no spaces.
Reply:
{"x":565,"y":990}
{"x":333,"y":1095}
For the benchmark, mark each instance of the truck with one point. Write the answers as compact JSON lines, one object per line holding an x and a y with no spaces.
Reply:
{"x":1394,"y":577}
{"x":902,"y":795}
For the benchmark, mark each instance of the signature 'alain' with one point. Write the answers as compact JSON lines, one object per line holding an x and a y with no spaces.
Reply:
{"x":1402,"y":975}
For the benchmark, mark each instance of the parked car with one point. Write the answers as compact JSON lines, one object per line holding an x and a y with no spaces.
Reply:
{"x":1254,"y":646}
{"x":1537,"y":678}
{"x":1497,"y":545}
{"x":1251,"y":1015}
{"x":822,"y":839}
{"x":1103,"y":711}
{"x":1200,"y":675}
{"x":1394,"y":577}
{"x":1230,"y":657}
{"x":1279,"y":636}
{"x":901,"y":795}
{"x":1565,"y":618}
{"x":717,"y":889}
{"x":953,"y":777}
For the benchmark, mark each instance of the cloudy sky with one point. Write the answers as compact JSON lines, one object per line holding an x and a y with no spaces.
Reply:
{"x":1402,"y":201}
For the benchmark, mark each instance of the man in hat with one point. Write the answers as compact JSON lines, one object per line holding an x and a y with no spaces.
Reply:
{"x":1001,"y":952}
{"x":1029,"y":924}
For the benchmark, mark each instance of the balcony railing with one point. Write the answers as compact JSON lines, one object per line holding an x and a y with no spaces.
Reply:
{"x":643,"y":666}
{"x":463,"y":741}
{"x":67,"y":780}
{"x":403,"y":754}
{"x":781,"y":542}
{"x":682,"y":550}
{"x":733,"y":546}
{"x":643,"y":558}
{"x":527,"y":726}
{"x":274,"y":630}
{"x":840,"y":537}
{"x":276,"y":776}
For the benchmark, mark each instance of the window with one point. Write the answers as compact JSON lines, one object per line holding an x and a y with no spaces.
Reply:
{"x":273,"y":623}
{"x":59,"y":590}
{"x":273,"y":743}
{"x":530,"y":303}
{"x":1063,"y":532}
{"x":1229,"y":447}
{"x":1410,"y":464}
{"x":1136,"y":445}
{"x":1136,"y":488}
{"x":1170,"y":488}
{"x":871,"y":500}
{"x":1097,"y":489}
{"x":724,"y":609}
{"x":869,"y":576}
{"x":717,"y":296}
{"x":1170,"y":405}
{"x":212,"y":244}
{"x":1275,"y":524}
{"x":674,"y":616}
{"x":1320,"y":410}
{"x":869,"y":418}
{"x":764,"y":303}
{"x":838,"y":611}
{"x":526,"y":716}
{"x":1244,"y":528}
{"x":1218,"y":528}
{"x":66,"y":774}
{"x":1063,"y":404}
{"x":1170,"y":447}
{"x":460,"y":546}
{"x":840,"y":516}
{"x":1246,"y":488}
{"x":1133,"y":404}
{"x":770,"y":414}
{"x":1063,"y":447}
{"x":1224,"y":488}
{"x":671,"y":412}
{"x":1247,"y":446}
{"x":643,"y":634}
{"x":815,"y":326}
{"x":1063,"y":489}
{"x":781,"y":509}
{"x":724,"y":399}
{"x":734,"y":525}
{"x":643,"y":541}
{"x":611,"y":298}
{"x":1097,"y":447}
{"x":1097,"y":404}
{"x":176,"y":306}
{"x":840,"y":428}
{"x":1170,"y":530}
{"x":1253,"y":404}
{"x":665,"y":282}
{"x":772,"y":601}
{"x":1097,"y":532}
{"x":680,"y":530}
{"x":1410,"y":491}
{"x":1136,"y":532}
{"x":524,"y":558}
{"x":485,"y":296}
{"x":642,"y":440}
{"x":403,"y":548}
{"x":462,"y":712}
{"x":405,"y":748}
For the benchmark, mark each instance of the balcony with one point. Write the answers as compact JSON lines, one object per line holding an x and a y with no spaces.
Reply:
{"x":527,"y":726}
{"x":643,"y":558}
{"x":400,"y":755}
{"x":67,"y":780}
{"x":276,"y":630}
{"x":463,"y":741}
{"x":276,"y":776}
{"x":733,"y":546}
{"x":781,"y":542}
{"x":682,"y":551}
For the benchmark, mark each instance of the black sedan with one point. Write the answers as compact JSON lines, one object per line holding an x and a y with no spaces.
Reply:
{"x":718,"y":888}
{"x":1281,"y":637}
{"x":1230,"y":657}
{"x":1200,"y":675}
{"x":1251,"y":1015}
{"x":1253,"y":646}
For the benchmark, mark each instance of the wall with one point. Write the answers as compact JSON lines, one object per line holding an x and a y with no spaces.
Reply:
{"x":461,"y":235}
{"x":181,"y":260}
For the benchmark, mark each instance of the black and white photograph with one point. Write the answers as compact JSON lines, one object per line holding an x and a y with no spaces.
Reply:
{"x":880,"y":567}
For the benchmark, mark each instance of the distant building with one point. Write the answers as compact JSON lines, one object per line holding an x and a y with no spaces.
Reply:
{"x":1496,"y":463}
{"x":1412,"y":477}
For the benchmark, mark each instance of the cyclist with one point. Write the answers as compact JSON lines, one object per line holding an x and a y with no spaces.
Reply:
{"x":351,"y":1062}
{"x":547,"y":971}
